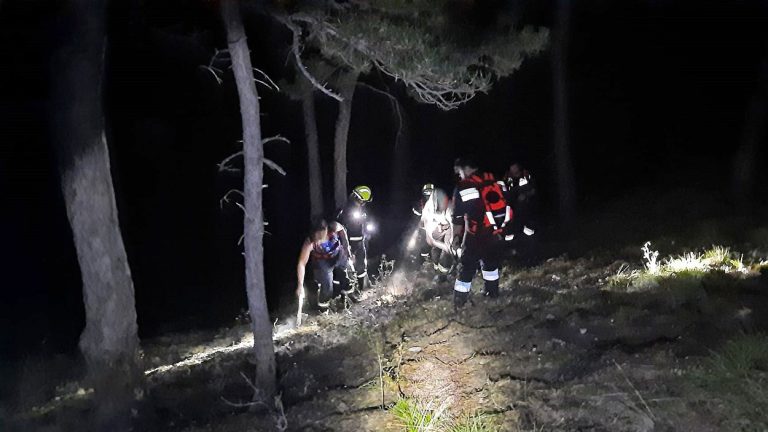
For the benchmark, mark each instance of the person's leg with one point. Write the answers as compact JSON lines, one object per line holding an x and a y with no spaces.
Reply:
{"x":490,"y":266}
{"x":323,"y":273}
{"x":340,"y":274}
{"x":424,"y":251}
{"x":469,"y":262}
{"x":361,"y":263}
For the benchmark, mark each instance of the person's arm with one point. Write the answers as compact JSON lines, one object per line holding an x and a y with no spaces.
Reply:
{"x":301,"y":267}
{"x":457,"y":220}
{"x":343,"y":237}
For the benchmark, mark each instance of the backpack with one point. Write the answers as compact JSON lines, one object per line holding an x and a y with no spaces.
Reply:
{"x":495,"y":206}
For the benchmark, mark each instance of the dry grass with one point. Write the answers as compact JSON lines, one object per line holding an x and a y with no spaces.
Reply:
{"x":736,"y":379}
{"x":684,"y":270}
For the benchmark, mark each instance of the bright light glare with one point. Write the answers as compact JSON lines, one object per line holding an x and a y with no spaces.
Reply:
{"x":357,"y":214}
{"x":370,"y":226}
{"x":205,"y":355}
{"x":281,"y":331}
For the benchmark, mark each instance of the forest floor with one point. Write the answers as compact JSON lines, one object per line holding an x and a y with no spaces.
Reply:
{"x":602,"y":341}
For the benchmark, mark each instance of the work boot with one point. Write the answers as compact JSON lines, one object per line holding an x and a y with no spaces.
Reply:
{"x":352,"y":296}
{"x":459,"y":299}
{"x":492,"y":289}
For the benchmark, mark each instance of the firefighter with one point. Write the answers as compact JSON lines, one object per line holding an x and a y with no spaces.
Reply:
{"x":418,"y":239}
{"x":328,"y":248}
{"x":480,"y":215}
{"x":437,"y":227}
{"x":359,"y":228}
{"x":521,"y":196}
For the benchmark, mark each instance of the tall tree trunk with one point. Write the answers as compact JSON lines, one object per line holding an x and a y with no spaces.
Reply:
{"x":110,"y":340}
{"x":253,"y":154}
{"x":313,"y":151}
{"x":753,"y":135}
{"x":744,"y":163}
{"x":563,"y":165}
{"x":401,"y":165}
{"x":347,"y":84}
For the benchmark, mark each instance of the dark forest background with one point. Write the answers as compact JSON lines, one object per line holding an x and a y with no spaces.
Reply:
{"x":659,"y":96}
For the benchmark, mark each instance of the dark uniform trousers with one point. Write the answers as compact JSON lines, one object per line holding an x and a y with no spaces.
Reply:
{"x":330,"y":272}
{"x":481,"y":250}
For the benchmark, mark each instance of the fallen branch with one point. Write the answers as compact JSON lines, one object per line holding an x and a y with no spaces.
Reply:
{"x":301,"y":306}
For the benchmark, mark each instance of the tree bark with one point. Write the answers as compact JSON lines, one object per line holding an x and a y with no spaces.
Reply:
{"x":253,"y":225}
{"x":347,"y":84}
{"x":313,"y":151}
{"x":109,"y":342}
{"x":753,"y":135}
{"x":744,"y":163}
{"x":566,"y":190}
{"x":401,"y":165}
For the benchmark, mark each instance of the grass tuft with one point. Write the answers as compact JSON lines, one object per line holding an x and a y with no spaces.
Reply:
{"x":416,"y":416}
{"x":737,"y":377}
{"x":474,"y":423}
{"x":682,"y":271}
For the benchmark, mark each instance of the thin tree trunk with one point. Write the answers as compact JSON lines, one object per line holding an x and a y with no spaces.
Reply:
{"x":253,"y":153}
{"x":563,"y":164}
{"x":347,"y":84}
{"x":313,"y":151}
{"x":109,"y":342}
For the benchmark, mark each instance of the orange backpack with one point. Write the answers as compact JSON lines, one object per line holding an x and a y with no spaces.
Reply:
{"x":494,"y":203}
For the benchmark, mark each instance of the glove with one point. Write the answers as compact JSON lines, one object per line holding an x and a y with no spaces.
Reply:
{"x":456,"y":246}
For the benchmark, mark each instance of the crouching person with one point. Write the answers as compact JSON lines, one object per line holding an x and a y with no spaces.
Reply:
{"x":328,"y":248}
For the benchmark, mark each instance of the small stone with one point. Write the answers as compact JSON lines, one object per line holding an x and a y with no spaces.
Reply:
{"x":583,"y":331}
{"x":550,"y":317}
{"x":555,"y":277}
{"x":414,"y":349}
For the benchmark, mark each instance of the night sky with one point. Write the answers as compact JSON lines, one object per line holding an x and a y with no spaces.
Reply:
{"x":659,"y":93}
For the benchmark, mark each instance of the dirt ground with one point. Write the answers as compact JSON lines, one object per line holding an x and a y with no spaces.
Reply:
{"x":558,"y":351}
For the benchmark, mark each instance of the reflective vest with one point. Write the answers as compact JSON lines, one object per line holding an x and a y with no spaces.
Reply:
{"x":481,"y":198}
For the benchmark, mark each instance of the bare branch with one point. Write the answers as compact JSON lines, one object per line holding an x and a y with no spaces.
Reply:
{"x":282,"y":421}
{"x":273,"y":86}
{"x":275,"y":138}
{"x":395,"y":105}
{"x":274,"y":166}
{"x":218,"y":56}
{"x":300,"y":64}
{"x":224,"y":165}
{"x":225,"y":198}
{"x":213,"y":72}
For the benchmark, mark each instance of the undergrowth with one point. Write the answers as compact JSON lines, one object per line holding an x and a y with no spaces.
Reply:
{"x":736,"y":377}
{"x":416,"y":416}
{"x":682,"y":271}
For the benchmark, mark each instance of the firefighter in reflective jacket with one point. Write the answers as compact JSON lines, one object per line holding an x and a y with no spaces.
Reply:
{"x":480,"y":216}
{"x":359,"y":228}
{"x":328,"y":248}
{"x":418,"y":239}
